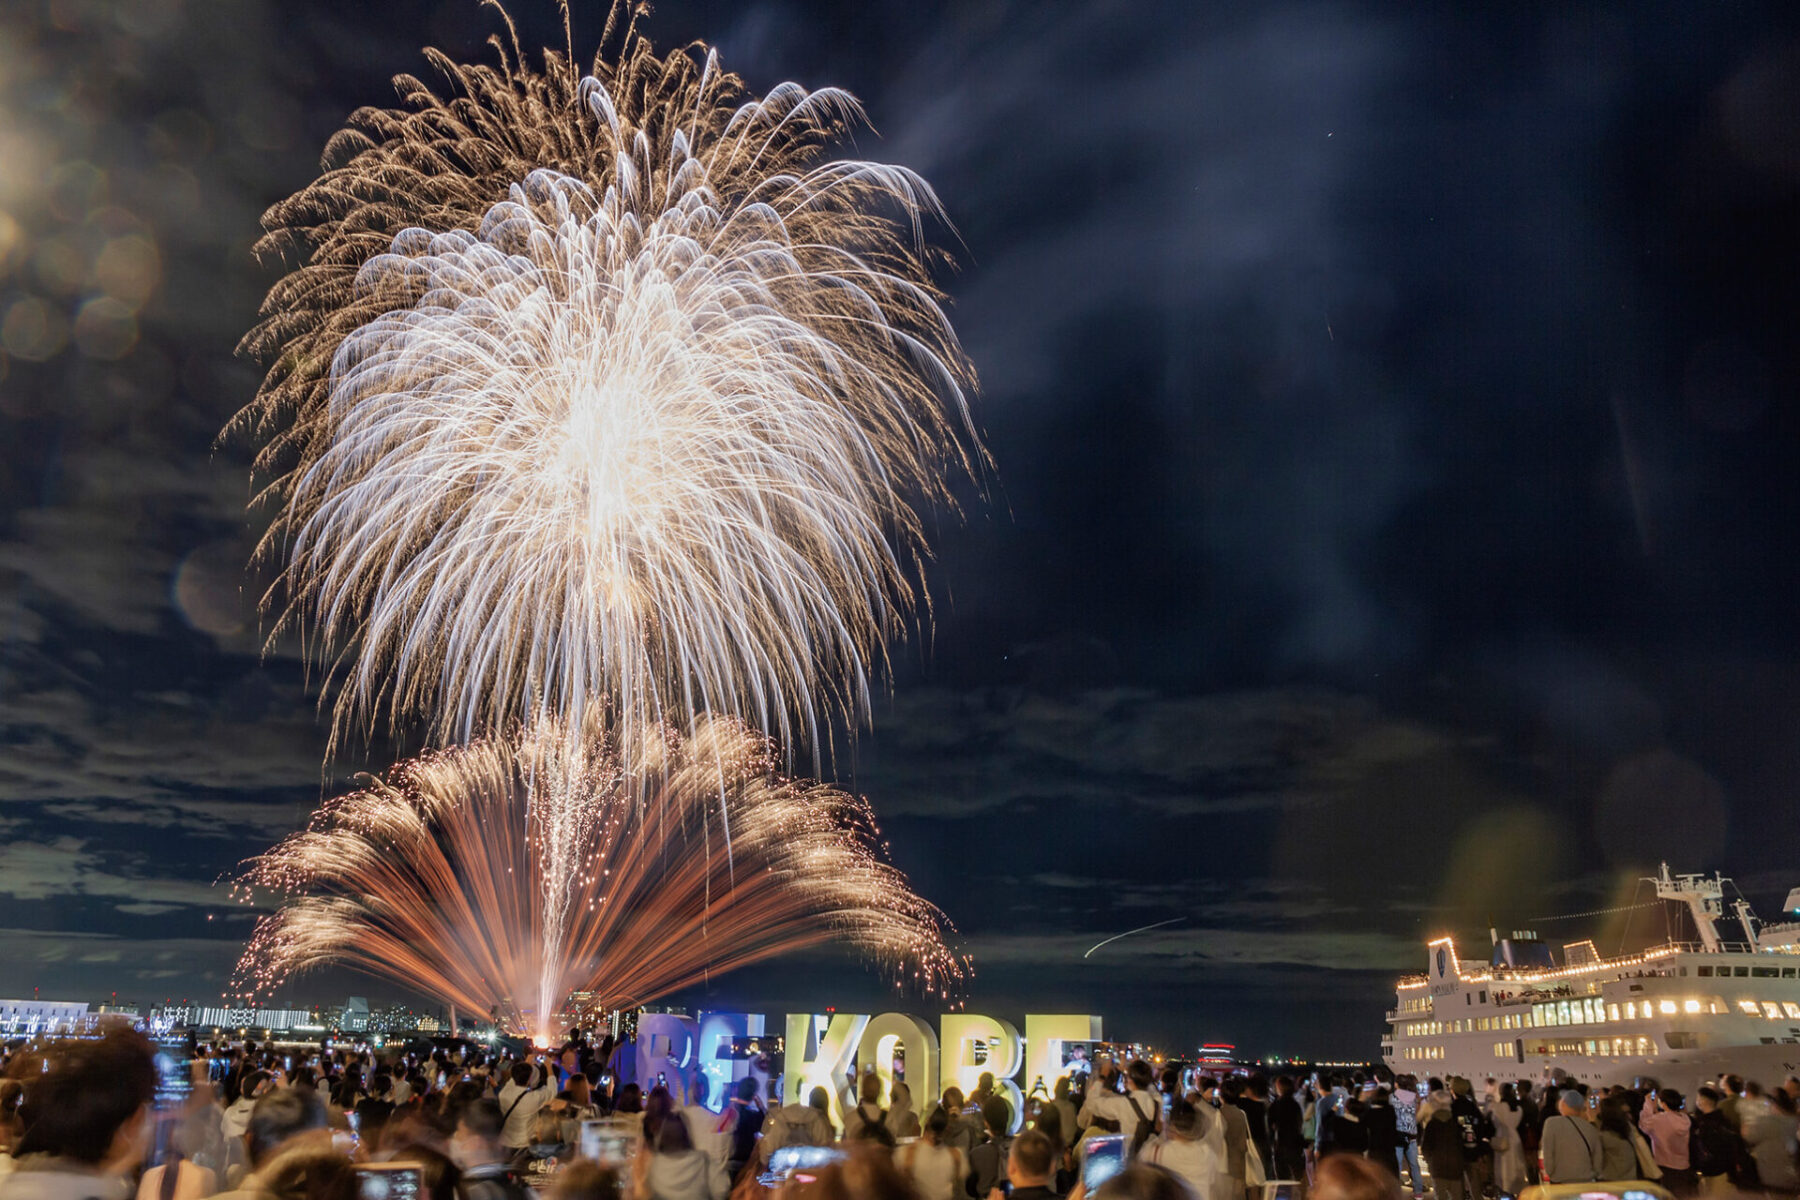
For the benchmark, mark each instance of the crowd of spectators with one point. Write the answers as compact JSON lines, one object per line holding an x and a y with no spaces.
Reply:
{"x":85,"y":1119}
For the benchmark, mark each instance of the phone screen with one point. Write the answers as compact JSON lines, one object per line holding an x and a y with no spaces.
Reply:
{"x":1105,"y":1158}
{"x":609,"y":1141}
{"x":389,"y":1181}
{"x":799,"y":1162}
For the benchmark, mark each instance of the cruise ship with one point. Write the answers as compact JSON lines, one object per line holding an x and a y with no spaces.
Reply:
{"x":1680,"y":1013}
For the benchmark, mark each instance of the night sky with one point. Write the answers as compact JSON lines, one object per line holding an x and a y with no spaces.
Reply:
{"x":1394,"y":412}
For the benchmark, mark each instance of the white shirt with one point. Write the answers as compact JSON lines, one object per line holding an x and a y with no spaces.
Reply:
{"x":937,"y":1171}
{"x":517,"y":1133}
{"x":1199,"y":1164}
{"x":1104,"y":1104}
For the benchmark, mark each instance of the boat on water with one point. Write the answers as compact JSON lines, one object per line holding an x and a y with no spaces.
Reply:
{"x":1680,"y":1012}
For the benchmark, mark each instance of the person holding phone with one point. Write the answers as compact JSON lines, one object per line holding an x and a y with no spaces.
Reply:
{"x":84,"y":1118}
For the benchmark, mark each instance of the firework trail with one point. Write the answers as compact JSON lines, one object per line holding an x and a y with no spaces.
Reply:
{"x":437,"y":877}
{"x":604,"y":389}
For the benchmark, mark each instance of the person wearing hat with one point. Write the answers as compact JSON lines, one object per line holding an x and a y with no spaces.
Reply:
{"x":1572,"y":1147}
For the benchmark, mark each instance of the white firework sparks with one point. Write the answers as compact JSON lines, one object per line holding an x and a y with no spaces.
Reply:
{"x":643,"y":432}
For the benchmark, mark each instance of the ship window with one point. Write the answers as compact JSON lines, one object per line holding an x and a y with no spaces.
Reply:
{"x":1765,"y":972}
{"x":1787,"y":972}
{"x":1703,"y":972}
{"x":1771,"y":1010}
{"x":1692,"y":1006}
{"x":1562,"y":1012}
{"x":1740,"y":972}
{"x":1668,"y":1007}
{"x":1683,"y":1041}
{"x":1748,"y":1006}
{"x":1793,"y":1010}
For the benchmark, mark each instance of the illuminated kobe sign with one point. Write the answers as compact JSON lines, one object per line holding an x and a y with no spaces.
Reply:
{"x":828,"y":1050}
{"x":823,"y":1050}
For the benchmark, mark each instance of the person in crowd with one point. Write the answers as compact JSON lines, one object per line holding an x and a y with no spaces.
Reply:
{"x":1383,"y":1128}
{"x":1666,"y":1124}
{"x":1508,"y":1143}
{"x":669,"y":1167}
{"x":1287,"y":1145}
{"x":520,"y":1099}
{"x":868,"y":1115}
{"x":1477,"y":1131}
{"x":577,"y":1096}
{"x":1346,"y":1177}
{"x":438,"y":1176}
{"x":1255,"y":1102}
{"x":901,"y":1120}
{"x":1440,"y":1141}
{"x":305,"y":1171}
{"x":374,"y":1109}
{"x":964,"y":1129}
{"x":1715,"y":1148}
{"x":1031,"y":1167}
{"x":708,"y":1131}
{"x":282,"y":1120}
{"x":237,"y":1114}
{"x":987,"y":1161}
{"x":1067,"y":1110}
{"x":797,"y":1125}
{"x":1531,"y":1128}
{"x":1349,"y":1132}
{"x":83,"y":1119}
{"x":630,"y":1104}
{"x":11,"y":1091}
{"x":938,"y":1171}
{"x":1330,"y":1096}
{"x":747,"y":1116}
{"x":1769,"y":1132}
{"x":1235,"y":1130}
{"x":1618,"y":1153}
{"x":583,"y":1180}
{"x":1573,"y":1152}
{"x":1138,"y":1181}
{"x":478,"y":1152}
{"x":1730,"y":1088}
{"x":1192,"y":1147}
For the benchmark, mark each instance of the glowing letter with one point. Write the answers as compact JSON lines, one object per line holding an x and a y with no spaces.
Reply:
{"x":665,"y":1046}
{"x":828,"y":1066}
{"x":915,"y":1038}
{"x":716,"y":1066}
{"x":961,"y":1032}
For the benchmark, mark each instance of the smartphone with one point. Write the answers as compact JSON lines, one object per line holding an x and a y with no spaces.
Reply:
{"x":1105,"y":1158}
{"x":609,"y":1141}
{"x":390,"y":1181}
{"x":799,"y":1163}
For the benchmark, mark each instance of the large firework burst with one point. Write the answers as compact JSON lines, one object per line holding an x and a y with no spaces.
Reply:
{"x":448,"y":877}
{"x":604,"y":387}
